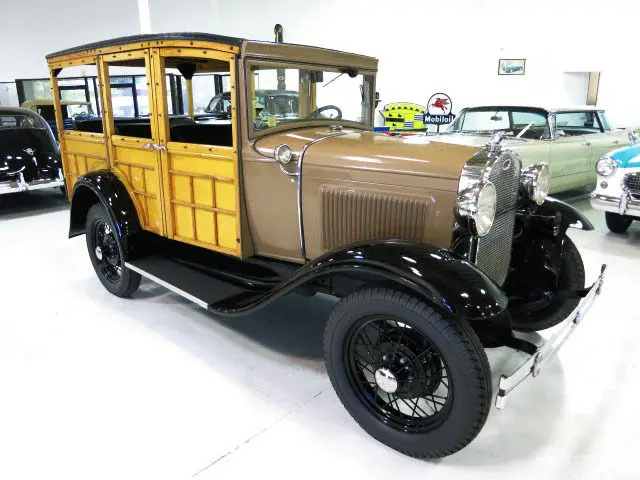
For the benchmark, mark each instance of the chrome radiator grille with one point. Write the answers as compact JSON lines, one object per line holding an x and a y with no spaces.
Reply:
{"x":632,"y":183}
{"x":493,"y":253}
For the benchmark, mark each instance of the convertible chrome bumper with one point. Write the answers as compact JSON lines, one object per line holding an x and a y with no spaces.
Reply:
{"x":624,"y":205}
{"x":534,"y":364}
{"x":20,"y":185}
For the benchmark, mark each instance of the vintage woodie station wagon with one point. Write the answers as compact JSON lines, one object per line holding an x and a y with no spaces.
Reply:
{"x":435,"y":250}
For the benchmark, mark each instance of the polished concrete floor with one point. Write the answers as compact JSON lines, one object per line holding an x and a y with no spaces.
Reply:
{"x":93,"y":386}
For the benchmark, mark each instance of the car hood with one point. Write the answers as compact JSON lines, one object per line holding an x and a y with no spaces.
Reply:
{"x":627,"y":157}
{"x":411,"y":156}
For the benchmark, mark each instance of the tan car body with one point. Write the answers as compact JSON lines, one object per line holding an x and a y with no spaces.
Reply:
{"x":347,"y":183}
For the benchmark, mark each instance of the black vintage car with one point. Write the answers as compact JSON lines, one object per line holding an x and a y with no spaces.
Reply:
{"x":29,"y":154}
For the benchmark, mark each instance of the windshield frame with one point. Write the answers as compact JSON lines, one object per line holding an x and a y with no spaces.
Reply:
{"x":312,"y":122}
{"x":494,"y":108}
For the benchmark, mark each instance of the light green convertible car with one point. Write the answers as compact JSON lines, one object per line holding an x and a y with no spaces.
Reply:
{"x":569,"y":140}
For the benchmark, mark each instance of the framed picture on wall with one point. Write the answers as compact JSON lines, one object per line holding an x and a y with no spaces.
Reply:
{"x":511,"y":66}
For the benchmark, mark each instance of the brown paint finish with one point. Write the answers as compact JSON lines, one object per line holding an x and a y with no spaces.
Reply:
{"x":410,"y":175}
{"x":288,"y":52}
{"x":390,"y":171}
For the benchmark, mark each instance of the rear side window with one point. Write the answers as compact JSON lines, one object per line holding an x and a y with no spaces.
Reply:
{"x":20,"y":121}
{"x":578,"y":123}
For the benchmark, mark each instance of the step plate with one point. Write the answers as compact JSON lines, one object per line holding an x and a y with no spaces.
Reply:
{"x":187,"y":282}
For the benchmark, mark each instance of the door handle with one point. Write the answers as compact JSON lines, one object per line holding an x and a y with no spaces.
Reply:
{"x":616,"y":142}
{"x":159,"y":147}
{"x":586,"y":144}
{"x":147,"y":146}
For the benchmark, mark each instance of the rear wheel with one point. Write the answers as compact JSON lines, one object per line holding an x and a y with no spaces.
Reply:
{"x":106,"y":254}
{"x":617,"y":223}
{"x":413,"y":379}
{"x":571,"y":278}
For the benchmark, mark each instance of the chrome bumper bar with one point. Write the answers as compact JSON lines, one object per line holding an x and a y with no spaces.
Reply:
{"x":534,"y":364}
{"x":20,"y":185}
{"x":624,"y":205}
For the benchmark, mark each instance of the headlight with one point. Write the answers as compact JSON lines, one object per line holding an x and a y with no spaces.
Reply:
{"x":479,"y":205}
{"x":283,"y":154}
{"x":535,"y":180}
{"x":606,"y":166}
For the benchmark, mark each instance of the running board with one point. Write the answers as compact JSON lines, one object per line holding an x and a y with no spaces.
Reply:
{"x":194,"y":285}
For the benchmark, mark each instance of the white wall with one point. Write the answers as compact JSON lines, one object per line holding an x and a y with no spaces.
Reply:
{"x":31,"y":29}
{"x":424,"y":46}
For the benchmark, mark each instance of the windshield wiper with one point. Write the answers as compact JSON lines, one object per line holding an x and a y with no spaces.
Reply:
{"x":333,"y":80}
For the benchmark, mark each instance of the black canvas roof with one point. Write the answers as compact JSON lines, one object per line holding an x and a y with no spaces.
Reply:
{"x":151,"y":37}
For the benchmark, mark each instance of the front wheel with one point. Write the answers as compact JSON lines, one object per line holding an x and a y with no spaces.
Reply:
{"x":414,"y":379}
{"x":106,"y":254}
{"x":617,"y":223}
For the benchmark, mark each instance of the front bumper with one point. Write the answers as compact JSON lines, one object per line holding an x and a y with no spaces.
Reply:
{"x":534,"y":364}
{"x":624,"y":204}
{"x":20,"y":185}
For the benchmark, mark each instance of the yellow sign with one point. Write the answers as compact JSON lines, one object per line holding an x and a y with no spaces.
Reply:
{"x":404,"y":116}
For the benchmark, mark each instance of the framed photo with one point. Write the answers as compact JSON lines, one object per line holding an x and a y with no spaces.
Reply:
{"x":511,"y":66}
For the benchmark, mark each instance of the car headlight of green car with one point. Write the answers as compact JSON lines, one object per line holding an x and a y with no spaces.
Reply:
{"x":606,"y":166}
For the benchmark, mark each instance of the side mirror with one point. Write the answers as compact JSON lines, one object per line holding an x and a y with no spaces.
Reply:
{"x":634,"y":136}
{"x":559,"y":133}
{"x":377,"y":100}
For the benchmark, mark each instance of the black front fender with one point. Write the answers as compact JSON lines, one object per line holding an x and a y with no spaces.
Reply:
{"x":444,"y":279}
{"x":104,"y":187}
{"x":571,"y":216}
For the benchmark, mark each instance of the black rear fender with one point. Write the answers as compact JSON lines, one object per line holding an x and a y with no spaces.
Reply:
{"x":104,"y":187}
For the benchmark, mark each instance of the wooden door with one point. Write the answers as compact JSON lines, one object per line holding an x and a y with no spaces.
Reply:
{"x":134,"y":142}
{"x":200,"y":172}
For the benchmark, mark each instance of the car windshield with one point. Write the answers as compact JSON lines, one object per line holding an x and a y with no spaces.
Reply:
{"x":281,"y":94}
{"x":519,"y":123}
{"x":17,"y":120}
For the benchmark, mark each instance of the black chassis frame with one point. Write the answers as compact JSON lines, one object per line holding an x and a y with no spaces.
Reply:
{"x":442,"y":277}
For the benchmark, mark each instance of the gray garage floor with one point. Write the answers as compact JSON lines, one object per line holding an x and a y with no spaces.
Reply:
{"x":93,"y":386}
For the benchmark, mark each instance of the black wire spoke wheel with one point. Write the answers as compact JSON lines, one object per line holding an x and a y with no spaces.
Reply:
{"x":107,"y":255}
{"x":414,"y":377}
{"x":106,"y":252}
{"x":398,"y":373}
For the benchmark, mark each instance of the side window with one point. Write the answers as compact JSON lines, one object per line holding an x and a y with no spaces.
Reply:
{"x":205,"y":113}
{"x":78,"y":88}
{"x":530,"y":125}
{"x":129,"y":88}
{"x":578,"y":123}
{"x":605,"y":122}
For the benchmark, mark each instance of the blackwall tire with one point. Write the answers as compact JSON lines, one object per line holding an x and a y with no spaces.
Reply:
{"x":617,"y":223}
{"x":109,"y":268}
{"x":456,"y":350}
{"x":571,"y":278}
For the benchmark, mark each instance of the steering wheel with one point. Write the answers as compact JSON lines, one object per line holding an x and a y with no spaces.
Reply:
{"x":316,"y":113}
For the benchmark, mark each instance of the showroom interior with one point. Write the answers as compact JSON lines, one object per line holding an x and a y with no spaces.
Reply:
{"x":191,"y":265}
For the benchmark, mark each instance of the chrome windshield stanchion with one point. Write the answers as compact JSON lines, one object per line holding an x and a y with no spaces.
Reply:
{"x":534,"y":364}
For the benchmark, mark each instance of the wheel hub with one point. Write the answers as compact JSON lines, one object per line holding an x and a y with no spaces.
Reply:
{"x":98,"y":251}
{"x":386,"y":380}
